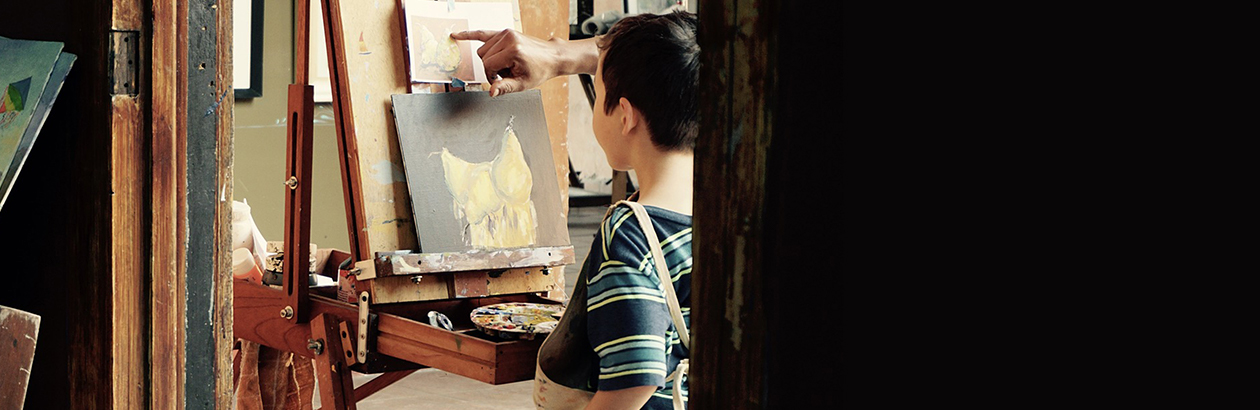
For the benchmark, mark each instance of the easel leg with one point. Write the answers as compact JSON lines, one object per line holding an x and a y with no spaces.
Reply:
{"x":336,"y":388}
{"x":380,"y":382}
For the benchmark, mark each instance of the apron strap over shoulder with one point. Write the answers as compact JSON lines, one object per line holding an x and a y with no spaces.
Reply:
{"x":662,"y":269}
{"x":679,"y":372}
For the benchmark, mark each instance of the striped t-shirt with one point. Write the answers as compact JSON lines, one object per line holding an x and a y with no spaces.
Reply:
{"x":628,"y":322}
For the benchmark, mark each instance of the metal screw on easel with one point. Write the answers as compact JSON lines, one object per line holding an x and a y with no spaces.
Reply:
{"x":316,"y":345}
{"x":287,"y":313}
{"x":292,"y":182}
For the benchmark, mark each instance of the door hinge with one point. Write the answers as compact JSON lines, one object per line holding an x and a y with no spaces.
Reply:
{"x":124,"y":62}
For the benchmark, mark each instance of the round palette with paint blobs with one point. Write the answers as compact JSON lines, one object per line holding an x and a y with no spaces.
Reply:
{"x":516,"y":320}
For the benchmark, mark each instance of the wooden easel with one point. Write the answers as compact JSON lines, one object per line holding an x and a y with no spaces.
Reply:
{"x":341,"y":336}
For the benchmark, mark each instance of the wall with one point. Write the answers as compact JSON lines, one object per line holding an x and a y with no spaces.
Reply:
{"x":588,"y":158}
{"x":259,"y":167}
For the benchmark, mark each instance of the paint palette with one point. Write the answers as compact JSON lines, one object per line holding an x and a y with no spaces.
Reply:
{"x":516,"y":320}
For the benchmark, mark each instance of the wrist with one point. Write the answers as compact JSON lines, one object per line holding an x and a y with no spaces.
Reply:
{"x":576,"y":56}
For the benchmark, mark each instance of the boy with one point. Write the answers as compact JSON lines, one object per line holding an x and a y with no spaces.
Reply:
{"x":617,"y":337}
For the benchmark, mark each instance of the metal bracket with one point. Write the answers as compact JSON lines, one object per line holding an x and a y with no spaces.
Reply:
{"x":124,"y":64}
{"x":315,"y":345}
{"x":363,"y":327}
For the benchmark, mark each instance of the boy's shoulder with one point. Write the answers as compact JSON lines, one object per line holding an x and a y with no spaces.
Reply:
{"x":621,"y":231}
{"x":621,"y":215}
{"x":622,"y":242}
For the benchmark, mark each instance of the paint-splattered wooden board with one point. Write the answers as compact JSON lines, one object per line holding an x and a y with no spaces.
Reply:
{"x":376,"y":69}
{"x":372,"y":52}
{"x":18,"y":332}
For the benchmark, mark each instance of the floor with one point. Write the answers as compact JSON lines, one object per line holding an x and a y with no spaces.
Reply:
{"x":436,"y":389}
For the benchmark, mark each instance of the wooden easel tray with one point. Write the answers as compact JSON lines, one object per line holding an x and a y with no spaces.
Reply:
{"x":397,"y":331}
{"x":403,"y":276}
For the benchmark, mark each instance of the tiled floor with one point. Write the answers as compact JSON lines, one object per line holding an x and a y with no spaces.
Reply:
{"x":435,"y":389}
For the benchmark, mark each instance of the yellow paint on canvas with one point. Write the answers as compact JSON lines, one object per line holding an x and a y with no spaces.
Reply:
{"x":442,"y":56}
{"x":493,"y":197}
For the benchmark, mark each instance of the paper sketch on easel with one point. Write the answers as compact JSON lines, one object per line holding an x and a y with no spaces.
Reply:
{"x":432,"y":56}
{"x":493,"y":197}
{"x":435,"y":56}
{"x":480,"y":171}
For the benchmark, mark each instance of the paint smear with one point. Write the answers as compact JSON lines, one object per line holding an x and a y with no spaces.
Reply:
{"x":493,"y":198}
{"x":363,"y":48}
{"x":386,"y":173}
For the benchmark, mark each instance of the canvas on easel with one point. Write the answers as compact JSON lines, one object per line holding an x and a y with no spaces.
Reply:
{"x":480,"y":171}
{"x":31,"y":74}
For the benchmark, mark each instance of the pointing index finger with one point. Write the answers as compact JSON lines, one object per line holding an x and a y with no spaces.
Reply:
{"x":479,"y":35}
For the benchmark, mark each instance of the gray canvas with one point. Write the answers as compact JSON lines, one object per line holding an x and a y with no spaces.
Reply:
{"x":458,"y":144}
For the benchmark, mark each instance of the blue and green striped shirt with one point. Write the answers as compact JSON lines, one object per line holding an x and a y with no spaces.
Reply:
{"x":628,"y":322}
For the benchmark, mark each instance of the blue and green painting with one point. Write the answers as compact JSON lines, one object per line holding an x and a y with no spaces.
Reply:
{"x":14,"y":98}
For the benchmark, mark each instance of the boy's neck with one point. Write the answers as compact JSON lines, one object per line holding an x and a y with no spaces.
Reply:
{"x":665,"y":180}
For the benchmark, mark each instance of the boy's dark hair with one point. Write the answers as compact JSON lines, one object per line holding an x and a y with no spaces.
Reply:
{"x":654,"y":62}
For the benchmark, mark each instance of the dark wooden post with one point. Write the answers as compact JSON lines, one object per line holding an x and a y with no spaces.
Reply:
{"x":203,"y":141}
{"x":738,"y":85}
{"x":767,"y":244}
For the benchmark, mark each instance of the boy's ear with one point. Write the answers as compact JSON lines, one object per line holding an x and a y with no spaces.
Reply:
{"x":629,"y":116}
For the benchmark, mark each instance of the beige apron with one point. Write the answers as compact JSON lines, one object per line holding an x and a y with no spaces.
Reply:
{"x":550,"y":395}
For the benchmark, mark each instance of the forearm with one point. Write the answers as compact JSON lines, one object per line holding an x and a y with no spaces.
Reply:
{"x":625,"y":399}
{"x":577,"y":56}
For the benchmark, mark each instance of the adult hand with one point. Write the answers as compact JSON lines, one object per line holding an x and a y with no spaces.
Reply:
{"x":521,"y":62}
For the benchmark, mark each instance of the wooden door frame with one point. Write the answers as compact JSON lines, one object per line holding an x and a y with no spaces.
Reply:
{"x":728,"y":321}
{"x":210,"y":104}
{"x":765,"y":256}
{"x":171,"y":157}
{"x":770,"y":254}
